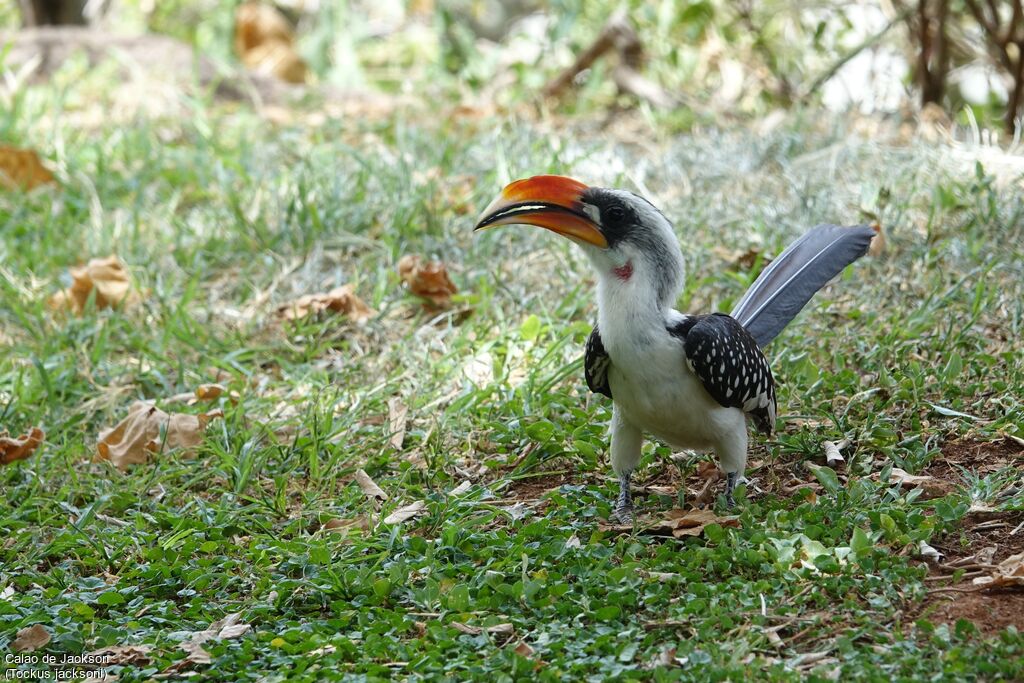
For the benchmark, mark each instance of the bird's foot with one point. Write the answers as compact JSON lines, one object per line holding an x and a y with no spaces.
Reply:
{"x":624,"y":511}
{"x":625,"y":514}
{"x":730,"y":485}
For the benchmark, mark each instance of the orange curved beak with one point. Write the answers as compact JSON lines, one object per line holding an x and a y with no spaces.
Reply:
{"x":552,"y":202}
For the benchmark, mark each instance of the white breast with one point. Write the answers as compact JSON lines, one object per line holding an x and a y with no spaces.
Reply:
{"x":658,"y":393}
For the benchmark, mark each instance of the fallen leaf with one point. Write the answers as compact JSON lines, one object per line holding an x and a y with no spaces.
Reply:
{"x":496,"y":629}
{"x":982,"y":510}
{"x":370,"y":488}
{"x":428,"y":280}
{"x":740,"y":260}
{"x":147,"y":429}
{"x":265,"y":42}
{"x":339,"y":300}
{"x":21,"y":168}
{"x":693,"y":522}
{"x":1009,"y":572}
{"x":347,"y":526}
{"x":222,"y":629}
{"x":523,"y":650}
{"x":833,"y":458}
{"x":932,"y":487}
{"x":468,"y":630}
{"x":107,"y":277}
{"x":209,"y":392}
{"x":676,"y":522}
{"x":774,"y":639}
{"x":877,"y":245}
{"x":195,"y":654}
{"x":406,"y":512}
{"x":122,"y":655}
{"x":31,"y":638}
{"x":461,"y":488}
{"x":21,"y":448}
{"x":398,"y":414}
{"x":929,"y":553}
{"x":573,"y":542}
{"x":668,"y":657}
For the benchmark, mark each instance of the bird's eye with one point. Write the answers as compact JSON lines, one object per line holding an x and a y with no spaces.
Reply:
{"x":616,"y":213}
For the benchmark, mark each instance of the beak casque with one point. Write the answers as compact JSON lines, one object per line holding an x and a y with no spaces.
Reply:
{"x":552,"y":202}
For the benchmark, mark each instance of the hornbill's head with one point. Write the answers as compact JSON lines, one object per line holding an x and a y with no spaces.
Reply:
{"x":629,"y":241}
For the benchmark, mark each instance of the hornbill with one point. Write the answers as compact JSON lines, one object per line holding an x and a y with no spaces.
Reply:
{"x":690,"y":380}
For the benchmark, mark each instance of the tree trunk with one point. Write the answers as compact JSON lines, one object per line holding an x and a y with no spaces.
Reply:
{"x":53,"y":12}
{"x":933,"y":50}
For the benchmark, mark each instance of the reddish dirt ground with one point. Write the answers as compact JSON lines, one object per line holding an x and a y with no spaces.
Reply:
{"x":983,"y":539}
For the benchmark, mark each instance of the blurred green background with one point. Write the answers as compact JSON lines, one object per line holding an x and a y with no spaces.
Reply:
{"x":717,"y":60}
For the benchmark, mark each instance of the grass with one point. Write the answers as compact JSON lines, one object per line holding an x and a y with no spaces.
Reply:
{"x":221,"y":216}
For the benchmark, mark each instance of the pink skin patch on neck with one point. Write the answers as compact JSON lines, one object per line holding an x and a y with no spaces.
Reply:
{"x":624,"y":272}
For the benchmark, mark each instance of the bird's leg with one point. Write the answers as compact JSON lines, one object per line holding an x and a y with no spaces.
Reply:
{"x":730,"y":485}
{"x":626,"y":446}
{"x":733,"y":460}
{"x":624,"y":504}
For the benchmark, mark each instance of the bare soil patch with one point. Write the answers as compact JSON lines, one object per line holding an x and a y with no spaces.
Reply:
{"x":982,"y":457}
{"x":983,"y":539}
{"x":533,"y":488}
{"x":990,"y":611}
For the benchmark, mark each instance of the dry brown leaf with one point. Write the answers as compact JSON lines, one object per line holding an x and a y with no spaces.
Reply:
{"x":398,"y":414}
{"x":370,"y":488}
{"x":693,"y":522}
{"x":132,"y":440}
{"x":265,"y":43}
{"x":428,"y":280}
{"x":932,"y":487}
{"x":31,"y":638}
{"x":196,"y":654}
{"x":740,"y":260}
{"x":12,"y":449}
{"x":122,"y":655}
{"x":496,"y":629}
{"x":406,"y":512}
{"x":106,"y":276}
{"x":345,"y":527}
{"x":222,"y":629}
{"x":523,"y":650}
{"x":21,"y":169}
{"x":339,"y":300}
{"x":877,"y":245}
{"x":209,"y":392}
{"x":1009,"y":572}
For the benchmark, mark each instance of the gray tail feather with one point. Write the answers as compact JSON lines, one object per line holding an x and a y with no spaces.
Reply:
{"x":789,"y":282}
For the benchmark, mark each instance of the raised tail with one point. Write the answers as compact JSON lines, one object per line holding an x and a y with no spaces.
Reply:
{"x":789,"y":282}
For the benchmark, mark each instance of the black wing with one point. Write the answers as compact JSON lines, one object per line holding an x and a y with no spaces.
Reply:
{"x":595,"y":365}
{"x":730,"y":365}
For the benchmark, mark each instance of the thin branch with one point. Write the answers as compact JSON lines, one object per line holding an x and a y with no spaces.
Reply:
{"x":866,"y":44}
